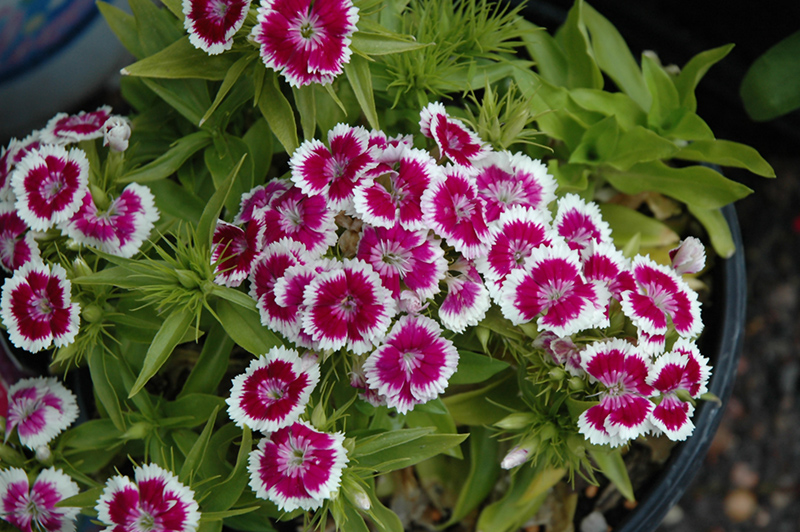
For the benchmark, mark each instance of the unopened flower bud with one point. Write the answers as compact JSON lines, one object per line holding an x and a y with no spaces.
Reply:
{"x":576,"y":384}
{"x":116,"y":132}
{"x":187,"y":278}
{"x":517,"y":420}
{"x":557,"y":374}
{"x":92,"y":313}
{"x":689,"y":256}
{"x":80,"y":268}
{"x":318,"y":417}
{"x":516,"y":456}
{"x":410,"y":302}
{"x":359,"y":497}
{"x":137,"y":431}
{"x":44,"y":455}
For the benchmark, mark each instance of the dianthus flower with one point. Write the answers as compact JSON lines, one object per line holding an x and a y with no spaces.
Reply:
{"x":455,"y":140}
{"x":297,"y":466}
{"x":688,"y":257}
{"x":17,"y":245}
{"x":213,"y":23}
{"x":234,"y":250}
{"x":413,"y":364}
{"x":66,"y":129}
{"x":32,"y":508}
{"x":11,"y":156}
{"x":308,"y":42}
{"x":36,"y":307}
{"x":624,"y":409}
{"x":580,"y":223}
{"x":304,"y":219}
{"x":273,"y":391}
{"x":40,"y":409}
{"x":155,"y":501}
{"x":467,"y":298}
{"x":258,"y":198}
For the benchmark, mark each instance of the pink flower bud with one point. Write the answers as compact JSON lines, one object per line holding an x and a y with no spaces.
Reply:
{"x":515,"y":457}
{"x":689,"y":256}
{"x":116,"y":133}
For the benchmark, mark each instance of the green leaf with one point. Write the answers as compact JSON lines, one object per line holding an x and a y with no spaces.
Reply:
{"x":168,"y":336}
{"x":103,"y":388}
{"x":442,"y":421}
{"x":546,"y":52}
{"x":234,"y":72}
{"x":93,"y":434}
{"x":385,"y":519}
{"x":683,"y":124}
{"x":640,"y":145}
{"x":627,"y":224}
{"x":259,"y":142}
{"x":484,"y":468}
{"x":693,"y":72}
{"x":410,"y":453}
{"x":376,"y":443}
{"x":84,"y":499}
{"x":124,"y":27}
{"x":223,"y":496}
{"x":195,"y":407}
{"x":611,"y":464}
{"x":168,"y":163}
{"x":769,"y":88}
{"x":211,"y":213}
{"x":598,"y":144}
{"x":182,"y":60}
{"x":219,"y":160}
{"x":482,"y":406}
{"x":529,"y":487}
{"x":244,"y":326}
{"x":156,"y":27}
{"x":662,"y":89}
{"x":698,"y":186}
{"x":570,"y":177}
{"x":234,"y":296}
{"x":175,"y":201}
{"x":717,"y":228}
{"x":189,"y":97}
{"x":476,"y":367}
{"x":304,"y":101}
{"x":383,"y":44}
{"x":726,"y":153}
{"x":621,"y":106}
{"x":360,"y":78}
{"x":279,"y":113}
{"x":582,"y":70}
{"x":198,"y":450}
{"x":210,"y":368}
{"x":614,"y":57}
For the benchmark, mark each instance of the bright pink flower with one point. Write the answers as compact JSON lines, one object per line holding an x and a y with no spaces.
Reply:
{"x":304,"y":219}
{"x":273,"y":391}
{"x":393,"y":195}
{"x":156,"y":501}
{"x":213,"y":23}
{"x":49,"y":184}
{"x":404,"y":258}
{"x":580,"y":223}
{"x":467,"y":298}
{"x":413,"y":364}
{"x":348,"y":306}
{"x":515,"y":457}
{"x":333,"y":172}
{"x":234,"y":251}
{"x":258,"y":198}
{"x":119,"y":230}
{"x":552,"y":288}
{"x":17,"y":245}
{"x":562,"y":351}
{"x":308,"y":42}
{"x":681,"y":369}
{"x":33,"y":508}
{"x":506,"y":179}
{"x":452,"y":208}
{"x":688,"y":257}
{"x":358,"y":380}
{"x":40,"y":408}
{"x":289,"y":295}
{"x":605,"y":264}
{"x":37,"y":309}
{"x":661,"y":296}
{"x":297,"y":466}
{"x":65,"y":129}
{"x":455,"y":140}
{"x":11,"y":156}
{"x":624,"y":409}
{"x":651,"y":344}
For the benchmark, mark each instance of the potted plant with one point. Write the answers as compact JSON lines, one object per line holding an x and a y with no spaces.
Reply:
{"x":390,"y":265}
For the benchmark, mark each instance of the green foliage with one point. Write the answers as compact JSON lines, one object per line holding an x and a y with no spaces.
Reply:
{"x":769,"y":88}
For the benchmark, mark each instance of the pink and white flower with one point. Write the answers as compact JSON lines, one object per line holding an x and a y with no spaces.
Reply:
{"x":119,"y":230}
{"x":505,"y":180}
{"x":290,"y":296}
{"x":393,"y":195}
{"x":515,"y":457}
{"x":213,"y":23}
{"x":66,"y":129}
{"x":40,"y":409}
{"x":689,"y":256}
{"x":32,"y":508}
{"x":17,"y":245}
{"x":308,"y":42}
{"x":348,"y":306}
{"x":403,"y":258}
{"x":467,"y":298}
{"x":273,"y":391}
{"x":297,"y":466}
{"x":562,"y":351}
{"x":552,"y":288}
{"x":11,"y":156}
{"x":358,"y":380}
{"x":413,"y":364}
{"x":333,"y":172}
{"x":36,"y":307}
{"x":154,"y":501}
{"x":683,"y":368}
{"x":258,"y":198}
{"x":117,"y":133}
{"x":455,"y":140}
{"x":304,"y":219}
{"x":580,"y":223}
{"x":604,"y":263}
{"x":454,"y":211}
{"x":234,"y":250}
{"x":624,"y":409}
{"x":49,"y":184}
{"x":661,"y":297}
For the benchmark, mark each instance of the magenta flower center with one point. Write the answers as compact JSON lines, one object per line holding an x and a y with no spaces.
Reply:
{"x":661,"y":298}
{"x":292,"y":216}
{"x":272,"y":390}
{"x":52,"y":185}
{"x":463,"y":208}
{"x":411,"y":361}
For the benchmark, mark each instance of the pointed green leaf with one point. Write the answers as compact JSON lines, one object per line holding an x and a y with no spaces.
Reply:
{"x":259,"y":142}
{"x":174,"y":201}
{"x":483,"y":406}
{"x":484,"y":468}
{"x":640,"y":145}
{"x":684,"y":125}
{"x":198,"y":451}
{"x":726,"y":153}
{"x":103,"y":388}
{"x":719,"y":232}
{"x":224,"y":495}
{"x":194,"y":407}
{"x":244,"y":326}
{"x":360,"y":78}
{"x":374,"y":444}
{"x":693,"y":72}
{"x":182,"y":60}
{"x":408,"y":454}
{"x":84,"y":499}
{"x":627,"y":223}
{"x":189,"y":97}
{"x":211,"y":213}
{"x":442,"y":421}
{"x":545,"y":51}
{"x":476,"y":367}
{"x":124,"y":27}
{"x":529,"y":487}
{"x":156,"y":27}
{"x":598,"y":144}
{"x":623,"y":107}
{"x":383,"y":44}
{"x":582,"y":68}
{"x":219,"y":160}
{"x":279,"y":113}
{"x":385,"y":519}
{"x":611,"y":464}
{"x":305,"y":102}
{"x":210,"y":368}
{"x":769,"y":88}
{"x":168,"y":163}
{"x":662,"y":89}
{"x":234,"y":72}
{"x":168,"y":336}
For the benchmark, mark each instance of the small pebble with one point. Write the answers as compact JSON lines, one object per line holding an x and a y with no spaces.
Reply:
{"x":780,"y":499}
{"x":591,"y":492}
{"x":674,"y":516}
{"x":740,"y":505}
{"x":743,"y":476}
{"x":762,"y":518}
{"x":594,"y":522}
